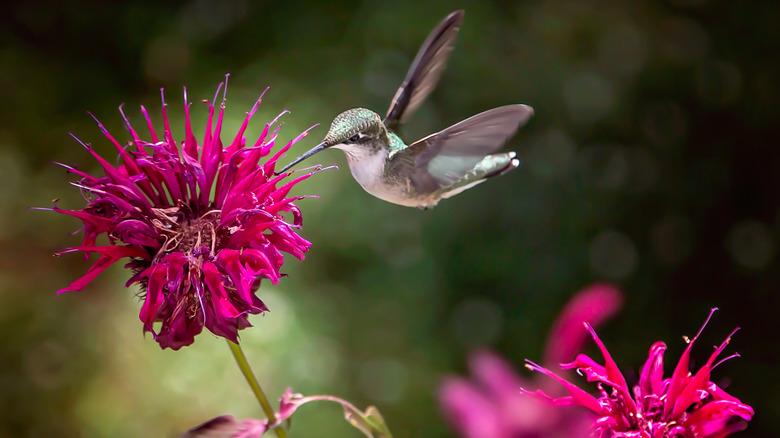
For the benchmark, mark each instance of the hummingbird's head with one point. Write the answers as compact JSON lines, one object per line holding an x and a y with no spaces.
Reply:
{"x":353,"y":129}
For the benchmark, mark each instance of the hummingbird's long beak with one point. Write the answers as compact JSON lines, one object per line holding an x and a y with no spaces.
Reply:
{"x":306,"y":155}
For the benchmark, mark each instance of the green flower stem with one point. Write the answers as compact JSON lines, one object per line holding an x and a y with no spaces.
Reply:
{"x":249,"y":375}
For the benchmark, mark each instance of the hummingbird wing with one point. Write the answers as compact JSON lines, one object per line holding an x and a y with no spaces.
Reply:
{"x":441,"y":159}
{"x":425,"y":71}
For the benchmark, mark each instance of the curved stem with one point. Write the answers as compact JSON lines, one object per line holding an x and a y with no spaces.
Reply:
{"x":249,"y":375}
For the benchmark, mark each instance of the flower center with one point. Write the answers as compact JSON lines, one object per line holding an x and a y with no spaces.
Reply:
{"x":199,"y":236}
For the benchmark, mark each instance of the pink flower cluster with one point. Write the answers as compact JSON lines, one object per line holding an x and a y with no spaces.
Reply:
{"x":500,"y":404}
{"x":684,"y":405}
{"x":495,"y":405}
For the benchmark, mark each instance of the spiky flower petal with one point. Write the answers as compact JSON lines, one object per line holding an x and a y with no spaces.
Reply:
{"x":202,"y":223}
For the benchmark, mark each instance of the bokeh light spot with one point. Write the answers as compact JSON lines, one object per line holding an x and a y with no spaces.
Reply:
{"x":613,"y":255}
{"x":383,"y":380}
{"x":277,"y":321}
{"x":605,"y":167}
{"x":316,"y":360}
{"x":751,"y":244}
{"x":719,"y":83}
{"x":476,"y":322}
{"x":670,"y":239}
{"x":46,"y":364}
{"x":589,"y":97}
{"x":551,"y":154}
{"x":166,"y":59}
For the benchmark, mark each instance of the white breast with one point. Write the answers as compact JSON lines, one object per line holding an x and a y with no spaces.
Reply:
{"x":368,"y":167}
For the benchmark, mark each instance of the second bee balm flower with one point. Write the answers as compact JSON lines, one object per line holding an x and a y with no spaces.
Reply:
{"x":686,"y":404}
{"x":201,"y":223}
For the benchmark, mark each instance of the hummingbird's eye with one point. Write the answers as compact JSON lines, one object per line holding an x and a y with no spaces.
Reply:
{"x":355,"y":138}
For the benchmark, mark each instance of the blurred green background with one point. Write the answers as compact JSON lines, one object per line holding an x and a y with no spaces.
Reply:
{"x":652,"y":162}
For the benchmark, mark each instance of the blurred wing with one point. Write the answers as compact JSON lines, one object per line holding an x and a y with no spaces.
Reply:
{"x":441,"y":159}
{"x":425,"y":71}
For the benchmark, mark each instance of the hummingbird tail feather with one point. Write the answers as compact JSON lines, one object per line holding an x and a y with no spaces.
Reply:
{"x":490,"y":166}
{"x":503,"y":163}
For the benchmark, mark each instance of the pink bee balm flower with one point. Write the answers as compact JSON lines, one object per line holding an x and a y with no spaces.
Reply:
{"x":201,"y":223}
{"x":685,"y":405}
{"x":494,"y":404}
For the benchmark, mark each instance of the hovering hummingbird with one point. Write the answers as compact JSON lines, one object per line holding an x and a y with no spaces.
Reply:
{"x":435,"y":167}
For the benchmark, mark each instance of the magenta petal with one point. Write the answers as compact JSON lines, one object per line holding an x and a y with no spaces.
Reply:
{"x":651,"y":377}
{"x":179,"y":330}
{"x":681,"y":372}
{"x":579,"y":396}
{"x":230,"y":262}
{"x":108,"y":256}
{"x":228,"y":427}
{"x":698,"y":385}
{"x":613,"y":372}
{"x":594,"y":305}
{"x":593,"y":371}
{"x":221,"y":315}
{"x":472,"y":414}
{"x":155,"y":277}
{"x":136,"y":232}
{"x":495,"y":374}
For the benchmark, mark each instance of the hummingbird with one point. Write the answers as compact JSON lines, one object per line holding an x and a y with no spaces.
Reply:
{"x":435,"y":167}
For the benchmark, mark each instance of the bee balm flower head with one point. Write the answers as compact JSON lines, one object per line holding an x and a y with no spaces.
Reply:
{"x":685,"y":405}
{"x":200,"y":222}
